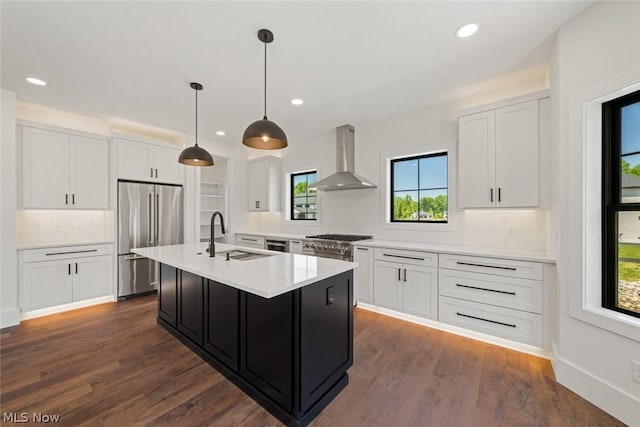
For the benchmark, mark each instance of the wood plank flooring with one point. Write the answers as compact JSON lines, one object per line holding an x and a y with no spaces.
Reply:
{"x":113,"y":365}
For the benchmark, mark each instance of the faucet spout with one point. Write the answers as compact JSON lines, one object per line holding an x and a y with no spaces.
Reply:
{"x":212,"y":244}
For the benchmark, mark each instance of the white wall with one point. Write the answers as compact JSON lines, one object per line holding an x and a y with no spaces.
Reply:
{"x":361,"y":211}
{"x":598,"y":45}
{"x":9,"y":312}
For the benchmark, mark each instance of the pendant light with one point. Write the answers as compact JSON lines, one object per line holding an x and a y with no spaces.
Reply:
{"x":264,"y":134}
{"x":196,"y":155}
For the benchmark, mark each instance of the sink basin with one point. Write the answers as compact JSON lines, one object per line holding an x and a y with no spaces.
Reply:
{"x":241,"y":255}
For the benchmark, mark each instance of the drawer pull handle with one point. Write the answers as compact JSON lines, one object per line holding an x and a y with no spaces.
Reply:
{"x":405,"y":257}
{"x":71,"y":252}
{"x":249,"y":240}
{"x":362,"y":249}
{"x":487,"y":320}
{"x":486,"y":265}
{"x":485,"y":289}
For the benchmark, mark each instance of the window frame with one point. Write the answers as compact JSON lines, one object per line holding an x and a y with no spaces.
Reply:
{"x":418,"y":157}
{"x":611,"y":197}
{"x":292,"y":195}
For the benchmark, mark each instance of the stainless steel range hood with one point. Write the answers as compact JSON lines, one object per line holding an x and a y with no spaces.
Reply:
{"x":345,"y":178}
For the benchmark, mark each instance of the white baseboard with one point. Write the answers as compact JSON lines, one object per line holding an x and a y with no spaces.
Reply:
{"x":512,"y":345}
{"x":605,"y":396}
{"x":66,"y":307}
{"x":9,"y":318}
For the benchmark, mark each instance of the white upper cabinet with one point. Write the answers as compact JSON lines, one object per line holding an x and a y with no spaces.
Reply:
{"x":61,"y":170}
{"x":264,"y":184}
{"x":498,"y":157}
{"x":141,"y":161}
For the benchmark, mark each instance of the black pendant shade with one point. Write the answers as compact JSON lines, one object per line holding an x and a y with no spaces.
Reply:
{"x":196,"y":155}
{"x":264,"y":134}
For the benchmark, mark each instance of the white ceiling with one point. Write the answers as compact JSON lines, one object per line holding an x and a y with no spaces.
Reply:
{"x":351,"y":62}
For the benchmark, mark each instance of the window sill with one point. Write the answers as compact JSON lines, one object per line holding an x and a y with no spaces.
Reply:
{"x":618,"y":323}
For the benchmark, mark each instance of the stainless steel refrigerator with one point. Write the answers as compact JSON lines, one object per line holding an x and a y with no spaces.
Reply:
{"x":148,"y":215}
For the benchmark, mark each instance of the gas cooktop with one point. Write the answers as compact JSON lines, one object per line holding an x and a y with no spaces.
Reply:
{"x":340,"y":237}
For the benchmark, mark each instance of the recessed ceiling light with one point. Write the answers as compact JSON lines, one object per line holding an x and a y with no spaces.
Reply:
{"x":221,"y":133}
{"x":36,"y":82}
{"x":297,"y":101}
{"x":467,"y":30}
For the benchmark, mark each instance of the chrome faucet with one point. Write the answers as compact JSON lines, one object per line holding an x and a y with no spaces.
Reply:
{"x":212,"y":244}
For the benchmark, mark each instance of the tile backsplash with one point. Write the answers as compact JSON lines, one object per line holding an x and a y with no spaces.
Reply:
{"x":43,"y":226}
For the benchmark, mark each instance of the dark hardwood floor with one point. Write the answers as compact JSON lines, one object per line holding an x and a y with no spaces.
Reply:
{"x":113,"y":365}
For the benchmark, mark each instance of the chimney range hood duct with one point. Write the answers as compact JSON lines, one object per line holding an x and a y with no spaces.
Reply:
{"x":345,"y":177}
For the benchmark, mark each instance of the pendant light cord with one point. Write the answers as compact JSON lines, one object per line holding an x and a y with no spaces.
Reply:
{"x":196,"y":117}
{"x":265,"y":80}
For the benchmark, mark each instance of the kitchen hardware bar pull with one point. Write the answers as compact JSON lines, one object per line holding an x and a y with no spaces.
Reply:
{"x":399,"y":275}
{"x":150,"y":215}
{"x":133,"y":257}
{"x":485,"y":289}
{"x":69,"y":269}
{"x":491,"y":195}
{"x":73,"y":199}
{"x":405,"y":257}
{"x":157,"y":218}
{"x":66,"y":199}
{"x":151,"y":169}
{"x":486,"y":265}
{"x":71,"y":252}
{"x":487,"y":320}
{"x":156,"y":173}
{"x":76,"y":268}
{"x":248,"y":240}
{"x":499,"y":193}
{"x":405,"y":274}
{"x":362,"y":249}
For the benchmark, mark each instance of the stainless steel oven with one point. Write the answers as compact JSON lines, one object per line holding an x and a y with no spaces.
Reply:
{"x":277,"y":245}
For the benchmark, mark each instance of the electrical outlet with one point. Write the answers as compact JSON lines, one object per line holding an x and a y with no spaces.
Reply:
{"x":636,"y":371}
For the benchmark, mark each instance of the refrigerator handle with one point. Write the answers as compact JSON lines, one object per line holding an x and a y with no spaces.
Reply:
{"x":157,"y":218}
{"x":150,"y":219}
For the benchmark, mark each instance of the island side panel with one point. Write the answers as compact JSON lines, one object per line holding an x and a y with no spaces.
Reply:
{"x":222,"y":329}
{"x":267,"y":345}
{"x":168,"y":295}
{"x":326,"y":336}
{"x":190,"y":306}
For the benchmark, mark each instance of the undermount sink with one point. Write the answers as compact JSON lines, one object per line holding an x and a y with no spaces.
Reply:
{"x":241,"y":255}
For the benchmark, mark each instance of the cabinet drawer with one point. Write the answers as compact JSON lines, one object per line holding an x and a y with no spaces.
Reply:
{"x":425,"y":259}
{"x":509,"y":292}
{"x":65,"y":252}
{"x":497,"y":266}
{"x":498,"y":321}
{"x":249,"y":240}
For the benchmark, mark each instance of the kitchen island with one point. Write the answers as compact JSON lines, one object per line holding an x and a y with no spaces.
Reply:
{"x":278,"y":325}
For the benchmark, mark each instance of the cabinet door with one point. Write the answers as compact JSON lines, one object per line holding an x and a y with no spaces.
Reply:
{"x":258,"y":181}
{"x":45,"y":169}
{"x":363,"y":276}
{"x":517,"y":177}
{"x":420,"y":287}
{"x":221,"y":322}
{"x":190,"y":306}
{"x":92,"y":277}
{"x":476,"y":160}
{"x":168,"y":295}
{"x":134,"y":160}
{"x":165,"y":165}
{"x":89,"y":173}
{"x":295,"y":247}
{"x":388,"y":285}
{"x":46,"y":284}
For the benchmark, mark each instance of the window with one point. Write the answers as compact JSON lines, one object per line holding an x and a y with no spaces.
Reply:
{"x":303,"y":199}
{"x":419,"y":189}
{"x":621,"y":204}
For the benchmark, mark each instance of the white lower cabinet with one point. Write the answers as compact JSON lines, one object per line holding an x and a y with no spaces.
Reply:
{"x":405,"y":286}
{"x":363,"y":275}
{"x":295,"y":246}
{"x":62,"y":275}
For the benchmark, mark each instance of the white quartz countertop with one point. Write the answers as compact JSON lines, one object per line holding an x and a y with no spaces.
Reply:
{"x":462,"y":250}
{"x":266,"y":277}
{"x":39,"y":245}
